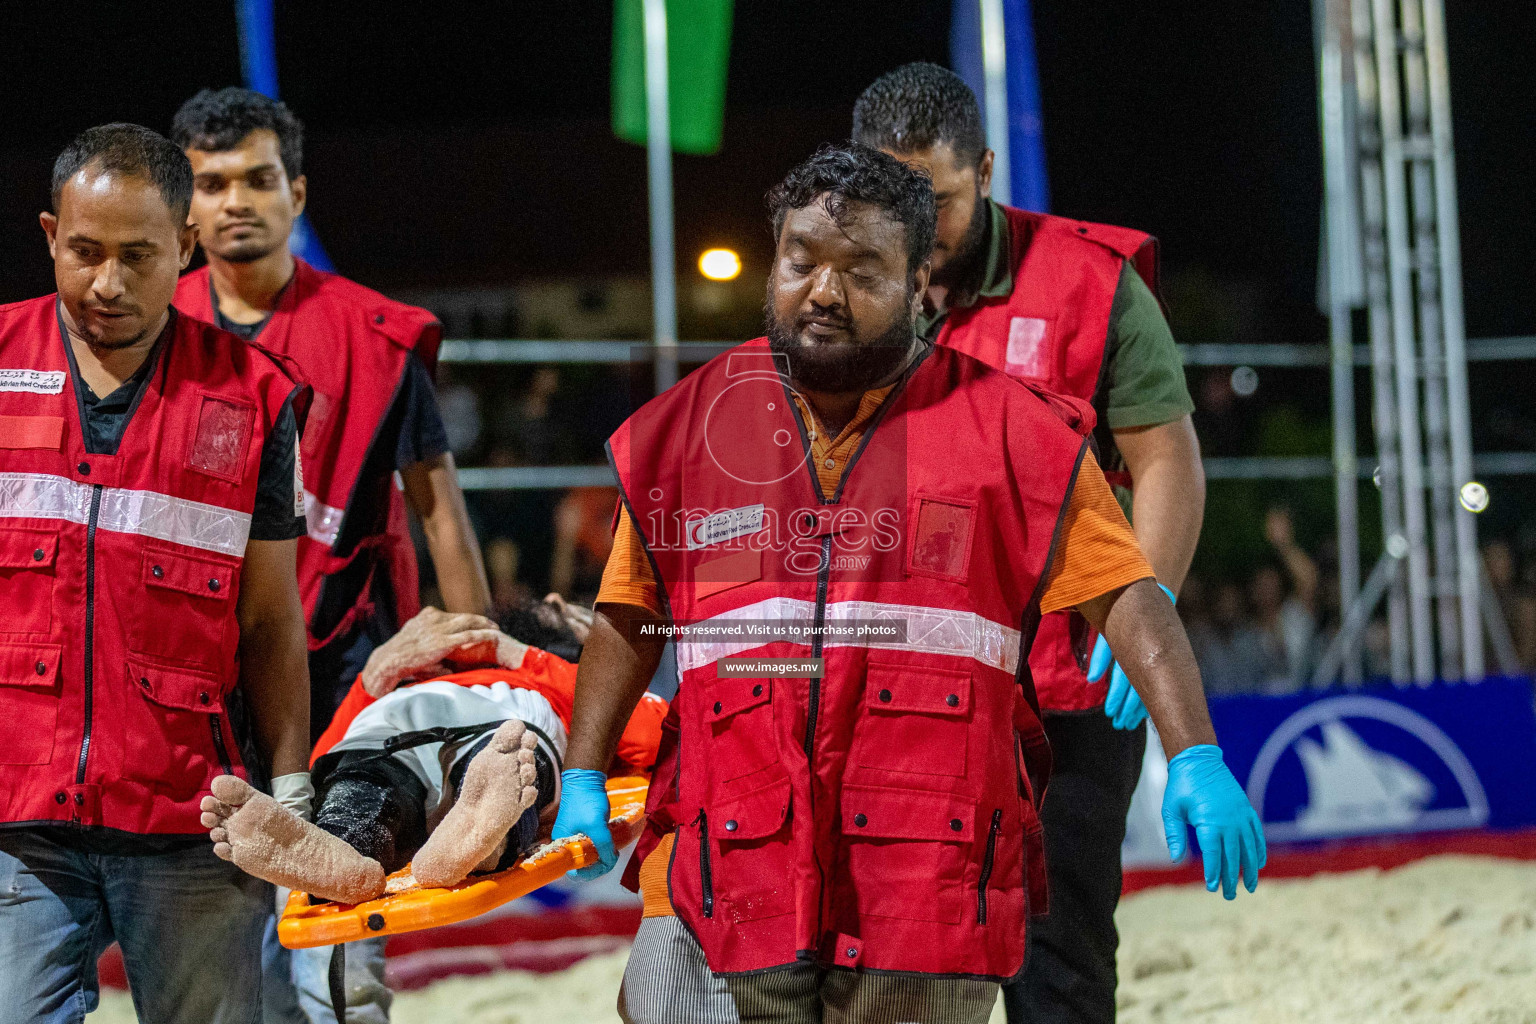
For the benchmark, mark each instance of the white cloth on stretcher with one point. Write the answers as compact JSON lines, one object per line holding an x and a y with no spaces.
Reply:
{"x":446,"y":705}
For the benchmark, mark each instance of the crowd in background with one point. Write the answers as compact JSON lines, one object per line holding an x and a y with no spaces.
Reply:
{"x":1260,"y":630}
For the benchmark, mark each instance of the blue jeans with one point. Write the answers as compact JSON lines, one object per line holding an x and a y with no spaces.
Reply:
{"x":188,"y":923}
{"x":298,"y":991}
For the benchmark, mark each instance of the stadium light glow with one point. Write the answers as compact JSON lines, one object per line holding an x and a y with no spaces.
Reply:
{"x":720,"y":264}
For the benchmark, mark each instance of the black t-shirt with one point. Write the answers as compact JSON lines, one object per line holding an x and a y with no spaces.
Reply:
{"x":421,"y":435}
{"x":245,"y":332}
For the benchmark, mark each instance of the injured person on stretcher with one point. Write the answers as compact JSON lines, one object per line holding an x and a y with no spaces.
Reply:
{"x":445,"y":755}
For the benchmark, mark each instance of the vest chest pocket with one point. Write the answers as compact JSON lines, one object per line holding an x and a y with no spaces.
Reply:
{"x":222,"y":438}
{"x":183,"y":613}
{"x":1032,"y":351}
{"x":739,"y":714}
{"x":27,"y":570}
{"x":915,"y":719}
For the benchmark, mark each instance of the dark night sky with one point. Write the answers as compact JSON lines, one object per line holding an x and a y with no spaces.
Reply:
{"x":468,"y":143}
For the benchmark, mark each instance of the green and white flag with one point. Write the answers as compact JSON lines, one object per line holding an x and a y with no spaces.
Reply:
{"x":698,"y":54}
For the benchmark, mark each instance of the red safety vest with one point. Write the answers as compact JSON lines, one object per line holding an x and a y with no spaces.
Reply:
{"x":1050,"y":330}
{"x":351,"y":344}
{"x":120,"y":574}
{"x":884,"y":815}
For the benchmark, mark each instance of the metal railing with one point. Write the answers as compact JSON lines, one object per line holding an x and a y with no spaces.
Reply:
{"x":512,"y":352}
{"x":521,"y":351}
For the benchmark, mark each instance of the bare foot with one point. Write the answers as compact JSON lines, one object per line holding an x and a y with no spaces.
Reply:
{"x":498,"y":788}
{"x":263,"y":838}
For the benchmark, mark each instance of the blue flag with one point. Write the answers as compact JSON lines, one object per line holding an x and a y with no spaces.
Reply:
{"x":1028,"y":187}
{"x":258,"y":66}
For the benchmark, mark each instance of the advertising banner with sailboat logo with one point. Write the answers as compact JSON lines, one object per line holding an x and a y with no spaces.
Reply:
{"x":1337,"y":764}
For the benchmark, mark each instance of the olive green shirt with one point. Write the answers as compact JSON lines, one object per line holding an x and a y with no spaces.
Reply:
{"x":1142,"y":381}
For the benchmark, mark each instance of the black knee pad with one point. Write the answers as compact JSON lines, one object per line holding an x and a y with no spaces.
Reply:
{"x":376,"y":805}
{"x":545,"y":782}
{"x":522,"y":836}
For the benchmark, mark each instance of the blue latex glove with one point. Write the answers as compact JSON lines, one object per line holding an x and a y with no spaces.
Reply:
{"x":1123,"y":706}
{"x":584,"y":809}
{"x":1202,"y":793}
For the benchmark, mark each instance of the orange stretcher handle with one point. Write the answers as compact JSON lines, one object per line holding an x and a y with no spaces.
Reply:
{"x":407,"y":907}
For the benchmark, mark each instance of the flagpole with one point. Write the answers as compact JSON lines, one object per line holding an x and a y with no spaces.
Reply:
{"x":658,"y":146}
{"x":994,"y":62}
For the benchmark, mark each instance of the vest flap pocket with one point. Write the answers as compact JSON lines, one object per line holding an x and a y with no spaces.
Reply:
{"x":35,"y":665}
{"x":757,"y":815}
{"x":28,"y":549}
{"x":877,"y":813}
{"x":924,"y":690}
{"x":200,"y":577}
{"x":42,"y":432}
{"x":731,"y":696}
{"x":175,"y":687}
{"x":733,"y":570}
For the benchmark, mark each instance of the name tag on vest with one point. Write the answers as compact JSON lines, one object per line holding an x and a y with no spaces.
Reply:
{"x":1028,"y":355}
{"x":38,"y":382}
{"x":724,"y":526}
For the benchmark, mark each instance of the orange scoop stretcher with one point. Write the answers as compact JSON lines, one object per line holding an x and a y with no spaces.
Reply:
{"x":407,"y":907}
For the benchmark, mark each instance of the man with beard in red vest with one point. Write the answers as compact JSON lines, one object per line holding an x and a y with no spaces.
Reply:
{"x":858,"y":533}
{"x":370,"y":361}
{"x":1070,"y":306}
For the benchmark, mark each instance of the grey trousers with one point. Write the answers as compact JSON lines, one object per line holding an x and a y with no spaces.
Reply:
{"x":667,"y":981}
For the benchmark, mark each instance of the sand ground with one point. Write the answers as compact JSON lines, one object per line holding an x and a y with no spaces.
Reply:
{"x":1449,"y":939}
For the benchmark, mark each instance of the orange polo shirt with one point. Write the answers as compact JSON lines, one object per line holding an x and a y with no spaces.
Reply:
{"x":1096,"y":553}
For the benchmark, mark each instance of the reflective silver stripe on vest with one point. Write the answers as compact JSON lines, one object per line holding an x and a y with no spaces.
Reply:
{"x":929,"y":631}
{"x":322,"y":521}
{"x":145,"y":513}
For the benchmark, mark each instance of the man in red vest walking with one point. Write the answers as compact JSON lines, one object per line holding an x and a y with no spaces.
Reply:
{"x":858,"y":533}
{"x":1070,"y":306}
{"x":370,"y":361}
{"x":149,"y":512}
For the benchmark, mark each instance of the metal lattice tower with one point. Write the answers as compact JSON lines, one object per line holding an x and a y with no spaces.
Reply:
{"x":1393,"y":248}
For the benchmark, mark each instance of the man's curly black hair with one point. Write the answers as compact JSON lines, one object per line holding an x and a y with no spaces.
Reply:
{"x":850,"y":172}
{"x":538,"y":624}
{"x":217,"y":119}
{"x":919,"y":106}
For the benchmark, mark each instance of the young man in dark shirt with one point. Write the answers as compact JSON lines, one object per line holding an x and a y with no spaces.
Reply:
{"x":246,"y":152}
{"x":375,"y":417}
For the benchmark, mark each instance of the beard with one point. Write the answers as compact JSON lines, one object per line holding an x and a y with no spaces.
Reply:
{"x":79,"y":325}
{"x":838,"y":368}
{"x":248,"y":251}
{"x":116,"y":346}
{"x":964,"y":257}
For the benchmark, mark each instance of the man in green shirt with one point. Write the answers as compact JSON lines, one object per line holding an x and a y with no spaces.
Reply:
{"x":1142,"y":386}
{"x":927,"y":116}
